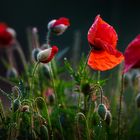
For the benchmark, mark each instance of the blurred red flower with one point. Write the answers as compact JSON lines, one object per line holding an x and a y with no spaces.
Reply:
{"x":103,"y":40}
{"x":5,"y":36}
{"x":58,"y":26}
{"x":132,"y":55}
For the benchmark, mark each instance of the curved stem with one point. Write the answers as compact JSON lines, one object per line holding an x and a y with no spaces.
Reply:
{"x":87,"y":127}
{"x":120,"y":105}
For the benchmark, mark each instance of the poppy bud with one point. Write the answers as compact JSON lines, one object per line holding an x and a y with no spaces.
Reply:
{"x":25,"y":108}
{"x":102,"y":111}
{"x":58,"y":26}
{"x":35,"y":52}
{"x":108,"y":119}
{"x":16,"y":92}
{"x":47,"y":55}
{"x":11,"y":73}
{"x":16,"y":105}
{"x":44,"y":133}
{"x":138,"y":100}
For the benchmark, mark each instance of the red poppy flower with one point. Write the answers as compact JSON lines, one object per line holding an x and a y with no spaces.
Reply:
{"x":47,"y":55}
{"x":132,"y":55}
{"x":59,"y":26}
{"x":5,"y":35}
{"x":103,"y":40}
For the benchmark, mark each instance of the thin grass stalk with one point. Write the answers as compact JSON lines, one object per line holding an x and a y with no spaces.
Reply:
{"x":120,"y":106}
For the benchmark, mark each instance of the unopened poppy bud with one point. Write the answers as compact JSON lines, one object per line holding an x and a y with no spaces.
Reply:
{"x":47,"y":55}
{"x":16,"y":92}
{"x":11,"y":73}
{"x":138,"y":100}
{"x":44,"y":133}
{"x":102,"y":111}
{"x":25,"y":108}
{"x":108,"y":119}
{"x":35,"y":52}
{"x":58,"y":26}
{"x":16,"y":105}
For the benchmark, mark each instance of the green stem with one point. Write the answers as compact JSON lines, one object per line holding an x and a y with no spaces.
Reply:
{"x":48,"y":38}
{"x":87,"y":127}
{"x":98,"y":76}
{"x":120,"y":106}
{"x":33,"y":77}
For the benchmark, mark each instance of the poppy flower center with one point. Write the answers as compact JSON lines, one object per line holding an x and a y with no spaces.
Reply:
{"x":96,"y":48}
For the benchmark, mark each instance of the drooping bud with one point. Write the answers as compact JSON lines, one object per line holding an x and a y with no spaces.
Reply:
{"x":59,"y":26}
{"x":47,"y":55}
{"x":16,"y":105}
{"x":102,"y":111}
{"x":138,"y":100}
{"x":108,"y":119}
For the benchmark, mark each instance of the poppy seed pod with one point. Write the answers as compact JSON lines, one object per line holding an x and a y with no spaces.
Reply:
{"x":102,"y":111}
{"x":58,"y":26}
{"x":108,"y":119}
{"x":47,"y":55}
{"x":138,"y":100}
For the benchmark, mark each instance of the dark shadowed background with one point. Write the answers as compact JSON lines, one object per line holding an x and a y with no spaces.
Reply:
{"x":124,"y":15}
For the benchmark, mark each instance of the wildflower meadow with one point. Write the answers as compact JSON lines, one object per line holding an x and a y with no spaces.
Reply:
{"x":51,"y":99}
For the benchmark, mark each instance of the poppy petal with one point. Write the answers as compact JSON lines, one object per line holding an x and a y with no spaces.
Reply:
{"x":132,"y":55}
{"x":103,"y":31}
{"x":103,"y":60}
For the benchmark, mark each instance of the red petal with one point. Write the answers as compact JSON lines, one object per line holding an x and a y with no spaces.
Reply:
{"x":103,"y":31}
{"x":104,"y":61}
{"x":62,"y":20}
{"x":132,"y":55}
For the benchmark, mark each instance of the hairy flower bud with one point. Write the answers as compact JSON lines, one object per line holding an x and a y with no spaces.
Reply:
{"x":102,"y":111}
